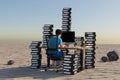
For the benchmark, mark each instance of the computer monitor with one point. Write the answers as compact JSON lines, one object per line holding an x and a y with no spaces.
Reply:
{"x":68,"y":36}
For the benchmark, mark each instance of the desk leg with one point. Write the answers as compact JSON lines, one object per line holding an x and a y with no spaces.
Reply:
{"x":80,"y":68}
{"x":48,"y":61}
{"x":81,"y":57}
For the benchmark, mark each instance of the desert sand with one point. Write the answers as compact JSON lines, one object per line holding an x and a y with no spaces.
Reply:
{"x":21,"y":70}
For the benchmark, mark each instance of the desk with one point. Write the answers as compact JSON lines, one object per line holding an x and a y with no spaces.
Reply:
{"x":72,"y":47}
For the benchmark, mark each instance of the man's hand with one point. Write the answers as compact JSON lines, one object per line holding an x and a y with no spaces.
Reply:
{"x":63,"y":46}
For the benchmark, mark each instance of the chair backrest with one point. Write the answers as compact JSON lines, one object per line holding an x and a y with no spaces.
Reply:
{"x":51,"y":51}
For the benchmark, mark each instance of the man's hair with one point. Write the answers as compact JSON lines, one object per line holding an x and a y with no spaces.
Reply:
{"x":58,"y":31}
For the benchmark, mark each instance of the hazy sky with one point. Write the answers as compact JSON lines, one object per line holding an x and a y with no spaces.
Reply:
{"x":24,"y":19}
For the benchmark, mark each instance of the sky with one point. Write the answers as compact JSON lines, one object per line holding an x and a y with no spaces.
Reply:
{"x":24,"y":19}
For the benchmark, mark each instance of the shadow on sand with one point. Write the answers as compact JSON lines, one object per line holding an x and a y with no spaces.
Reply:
{"x":28,"y":72}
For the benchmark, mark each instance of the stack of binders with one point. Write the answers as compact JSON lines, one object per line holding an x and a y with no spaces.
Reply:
{"x":70,"y":64}
{"x":90,"y":52}
{"x":36,"y":56}
{"x":66,"y":19}
{"x":79,"y":41}
{"x":47,"y":33}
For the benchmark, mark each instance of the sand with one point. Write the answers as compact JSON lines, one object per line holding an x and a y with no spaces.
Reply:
{"x":21,"y":70}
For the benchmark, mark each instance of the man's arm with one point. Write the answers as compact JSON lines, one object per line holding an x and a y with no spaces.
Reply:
{"x":61,"y":43}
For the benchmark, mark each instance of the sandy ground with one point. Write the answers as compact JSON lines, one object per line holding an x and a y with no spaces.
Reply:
{"x":21,"y":70}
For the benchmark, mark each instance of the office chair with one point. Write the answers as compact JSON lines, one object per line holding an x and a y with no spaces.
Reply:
{"x":49,"y":52}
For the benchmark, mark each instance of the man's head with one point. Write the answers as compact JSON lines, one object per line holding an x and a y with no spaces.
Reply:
{"x":58,"y":32}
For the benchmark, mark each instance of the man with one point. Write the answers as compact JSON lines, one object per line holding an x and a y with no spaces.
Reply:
{"x":56,"y":42}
